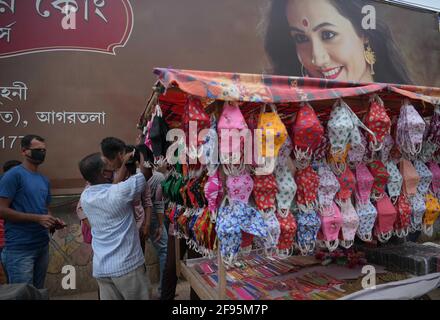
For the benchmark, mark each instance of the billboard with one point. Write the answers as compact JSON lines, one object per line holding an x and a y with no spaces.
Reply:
{"x":76,"y":71}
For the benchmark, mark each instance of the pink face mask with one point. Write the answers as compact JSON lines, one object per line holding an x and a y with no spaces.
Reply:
{"x":365,"y":183}
{"x":240,"y":187}
{"x":214,"y":192}
{"x":330,"y":228}
{"x":231,"y":118}
{"x":350,"y":224}
{"x":386,"y":217}
{"x":435,"y":184}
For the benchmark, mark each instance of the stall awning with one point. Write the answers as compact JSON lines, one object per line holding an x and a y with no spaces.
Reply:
{"x":286,"y":92}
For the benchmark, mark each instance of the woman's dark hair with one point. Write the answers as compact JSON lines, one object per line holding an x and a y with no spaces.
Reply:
{"x":281,"y":48}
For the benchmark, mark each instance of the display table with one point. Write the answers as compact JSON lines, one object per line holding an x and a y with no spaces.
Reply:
{"x":208,"y":289}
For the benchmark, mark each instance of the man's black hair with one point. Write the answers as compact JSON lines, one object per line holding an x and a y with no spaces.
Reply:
{"x":91,"y":167}
{"x":10,"y":164}
{"x":110,"y":147}
{"x":27,"y":140}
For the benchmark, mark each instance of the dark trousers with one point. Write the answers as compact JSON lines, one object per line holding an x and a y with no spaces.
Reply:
{"x":169,"y":281}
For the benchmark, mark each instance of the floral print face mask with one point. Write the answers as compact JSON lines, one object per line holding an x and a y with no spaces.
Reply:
{"x":425,"y":177}
{"x":378,"y":122}
{"x":330,"y":228}
{"x":288,"y":229}
{"x":350,"y":224}
{"x":394,"y":186}
{"x":273,"y":129}
{"x":328,"y":187}
{"x":386,"y":217}
{"x":418,"y":209}
{"x":410,"y":130}
{"x":431,"y":215}
{"x":308,"y":227}
{"x":367,"y":216}
{"x":307,"y":193}
{"x":286,"y":189}
{"x":403,"y":220}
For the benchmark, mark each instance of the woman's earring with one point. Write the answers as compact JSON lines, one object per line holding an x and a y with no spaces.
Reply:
{"x":370,"y":57}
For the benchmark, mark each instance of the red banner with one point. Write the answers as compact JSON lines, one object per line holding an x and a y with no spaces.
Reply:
{"x":78,"y":25}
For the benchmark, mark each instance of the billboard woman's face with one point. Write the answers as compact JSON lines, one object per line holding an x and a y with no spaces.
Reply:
{"x":326,"y":42}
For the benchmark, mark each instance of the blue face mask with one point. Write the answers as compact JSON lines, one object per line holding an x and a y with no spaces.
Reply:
{"x":308,"y":227}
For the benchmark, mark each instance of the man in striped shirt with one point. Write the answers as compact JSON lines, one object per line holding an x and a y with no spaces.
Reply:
{"x":118,"y":261}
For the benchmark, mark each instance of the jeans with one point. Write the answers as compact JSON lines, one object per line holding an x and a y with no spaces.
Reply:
{"x":160,"y":246}
{"x":26,"y":266}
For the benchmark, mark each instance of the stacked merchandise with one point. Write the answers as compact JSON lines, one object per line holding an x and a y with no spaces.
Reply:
{"x":322,"y":183}
{"x":410,"y":257}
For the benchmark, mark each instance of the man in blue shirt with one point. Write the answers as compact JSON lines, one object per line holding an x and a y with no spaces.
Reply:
{"x":24,"y":200}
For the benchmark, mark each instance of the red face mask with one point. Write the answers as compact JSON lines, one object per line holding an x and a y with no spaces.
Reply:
{"x":378,"y":122}
{"x":308,"y":184}
{"x":403,"y":220}
{"x":347,"y":182}
{"x":386,"y":217}
{"x":381,"y":177}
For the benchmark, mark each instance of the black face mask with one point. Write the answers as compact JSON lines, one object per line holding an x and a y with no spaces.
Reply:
{"x":37,"y":156}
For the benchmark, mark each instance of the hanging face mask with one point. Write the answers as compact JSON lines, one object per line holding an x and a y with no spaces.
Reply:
{"x":350,"y":224}
{"x":358,"y":146}
{"x":367,"y":216}
{"x":395,"y":181}
{"x":431,"y":215}
{"x":418,"y":209}
{"x":364,"y":185}
{"x":433,"y":132}
{"x":410,"y":178}
{"x":194,"y":112}
{"x":288,"y":229}
{"x":273,"y":229}
{"x":330,"y":228}
{"x":231,"y":118}
{"x":410,"y":130}
{"x":340,"y":126}
{"x":347,"y":181}
{"x":286,"y":189}
{"x":265,"y":191}
{"x":425,"y":177}
{"x":386,"y":217}
{"x":378,"y":122}
{"x":403,"y":220}
{"x":308,"y":227}
{"x":210,"y":147}
{"x":435,"y":170}
{"x":322,"y":149}
{"x":381,"y":177}
{"x":214,"y":192}
{"x":307,"y":194}
{"x":328,"y":187}
{"x":284,"y":153}
{"x":307,"y":134}
{"x":388,"y":144}
{"x":273,"y":129}
{"x":240,"y":187}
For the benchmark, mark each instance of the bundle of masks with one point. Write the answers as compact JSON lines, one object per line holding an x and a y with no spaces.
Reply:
{"x":368,"y":177}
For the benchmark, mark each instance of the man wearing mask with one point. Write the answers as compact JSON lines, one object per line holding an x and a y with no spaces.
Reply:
{"x":24,"y":206}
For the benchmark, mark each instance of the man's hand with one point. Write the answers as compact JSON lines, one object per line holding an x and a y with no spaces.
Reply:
{"x":46,"y":221}
{"x":158,"y":234}
{"x":145,"y":232}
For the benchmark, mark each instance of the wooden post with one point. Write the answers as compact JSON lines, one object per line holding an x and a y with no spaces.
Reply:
{"x":177,"y":253}
{"x":221,"y":277}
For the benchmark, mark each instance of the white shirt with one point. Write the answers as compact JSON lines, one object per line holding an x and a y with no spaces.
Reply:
{"x":115,"y":238}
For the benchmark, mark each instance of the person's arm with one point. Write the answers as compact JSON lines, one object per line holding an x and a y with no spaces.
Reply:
{"x":122,"y":172}
{"x":8,"y":214}
{"x":160,"y":211}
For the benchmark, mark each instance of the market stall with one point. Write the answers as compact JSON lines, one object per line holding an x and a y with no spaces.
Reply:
{"x":334,"y":167}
